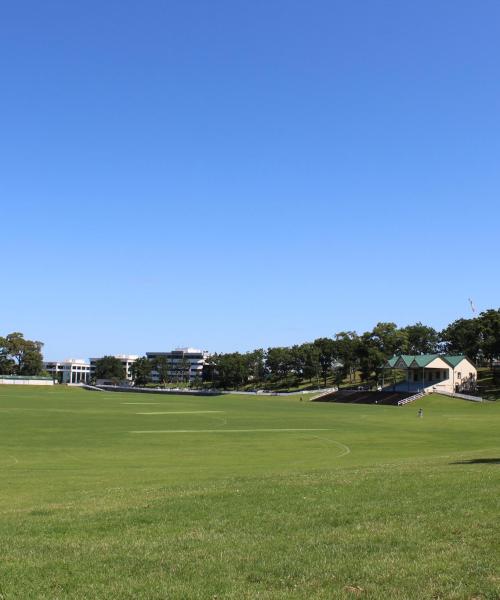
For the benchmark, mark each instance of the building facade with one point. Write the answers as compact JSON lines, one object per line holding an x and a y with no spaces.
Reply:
{"x":70,"y":370}
{"x":181,"y":365}
{"x":432,"y":372}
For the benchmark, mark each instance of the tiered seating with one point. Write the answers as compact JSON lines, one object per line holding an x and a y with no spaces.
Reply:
{"x":364,"y":397}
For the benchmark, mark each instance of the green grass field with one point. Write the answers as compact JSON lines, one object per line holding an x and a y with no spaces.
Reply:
{"x":130,"y":496}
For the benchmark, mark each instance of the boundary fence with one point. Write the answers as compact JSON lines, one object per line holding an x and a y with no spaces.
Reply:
{"x":463,"y":396}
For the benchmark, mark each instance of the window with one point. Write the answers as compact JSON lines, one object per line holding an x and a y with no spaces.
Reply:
{"x":459,"y":375}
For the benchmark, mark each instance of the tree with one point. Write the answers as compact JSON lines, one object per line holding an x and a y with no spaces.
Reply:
{"x":141,"y":370}
{"x":489,"y":327}
{"x":388,"y":339}
{"x":346,"y":346}
{"x":210,"y":370}
{"x":370,"y":356}
{"x":109,"y":367}
{"x":279,"y":361}
{"x":7,"y":364}
{"x":326,"y":347}
{"x":19,"y":356}
{"x":463,"y":336}
{"x":229,"y":370}
{"x":184,"y":367}
{"x":297,"y":361}
{"x":163,"y":366}
{"x":339,"y":374}
{"x":311,"y":366}
{"x":421,"y":339}
{"x":256,"y":365}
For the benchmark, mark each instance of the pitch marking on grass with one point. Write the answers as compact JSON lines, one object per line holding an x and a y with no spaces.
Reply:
{"x":225,"y":430}
{"x":344,"y":450}
{"x":13,"y":461}
{"x":182,"y":412}
{"x":142,"y":403}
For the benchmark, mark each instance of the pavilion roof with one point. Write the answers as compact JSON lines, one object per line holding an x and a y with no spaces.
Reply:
{"x":422,"y":360}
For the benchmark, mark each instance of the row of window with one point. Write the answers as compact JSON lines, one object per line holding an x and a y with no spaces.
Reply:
{"x":430,"y":375}
{"x":67,"y":368}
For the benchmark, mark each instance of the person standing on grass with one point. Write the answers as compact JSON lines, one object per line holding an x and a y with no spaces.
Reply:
{"x":420,"y":412}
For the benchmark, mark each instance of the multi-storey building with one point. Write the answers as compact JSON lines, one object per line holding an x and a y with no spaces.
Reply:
{"x":70,"y":370}
{"x":182,"y":364}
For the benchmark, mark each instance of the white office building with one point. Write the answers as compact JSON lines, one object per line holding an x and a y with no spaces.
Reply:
{"x":184,"y":364}
{"x":70,"y":370}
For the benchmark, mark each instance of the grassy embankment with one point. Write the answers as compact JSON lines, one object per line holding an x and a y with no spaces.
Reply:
{"x":246,"y":497}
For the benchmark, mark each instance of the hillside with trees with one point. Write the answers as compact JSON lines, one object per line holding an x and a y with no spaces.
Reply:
{"x":350,"y":358}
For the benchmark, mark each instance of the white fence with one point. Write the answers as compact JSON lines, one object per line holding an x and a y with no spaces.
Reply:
{"x":411,"y":399}
{"x":458,"y":395}
{"x":19,"y":380}
{"x":325,"y":392}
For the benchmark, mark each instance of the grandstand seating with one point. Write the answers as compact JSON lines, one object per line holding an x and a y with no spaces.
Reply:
{"x":364,"y":397}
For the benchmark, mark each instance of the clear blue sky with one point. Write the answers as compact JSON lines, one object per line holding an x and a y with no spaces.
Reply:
{"x":234,"y":174}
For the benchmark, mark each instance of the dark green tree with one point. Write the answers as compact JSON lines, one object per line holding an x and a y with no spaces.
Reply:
{"x":279,"y":362}
{"x":7,"y":364}
{"x":311,"y":368}
{"x":297,"y":361}
{"x":327,"y":356}
{"x":371,"y":358}
{"x":230,"y":370}
{"x":20,"y":356}
{"x":163,"y":367}
{"x":109,"y":367}
{"x":388,"y":339}
{"x":184,"y":367}
{"x":346,"y":349}
{"x":489,"y":327}
{"x":463,"y":336}
{"x":141,"y":371}
{"x":421,"y":339}
{"x":256,"y":365}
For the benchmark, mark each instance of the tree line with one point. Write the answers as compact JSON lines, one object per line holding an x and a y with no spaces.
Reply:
{"x":166,"y":370}
{"x":334,"y":359}
{"x":348,"y":353}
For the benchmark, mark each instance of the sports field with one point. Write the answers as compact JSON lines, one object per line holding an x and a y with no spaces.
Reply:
{"x":130,"y":496}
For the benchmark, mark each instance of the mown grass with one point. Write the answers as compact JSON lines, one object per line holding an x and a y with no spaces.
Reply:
{"x":375,"y":503}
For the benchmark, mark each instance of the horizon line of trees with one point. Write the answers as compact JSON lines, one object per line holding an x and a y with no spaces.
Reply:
{"x":347,"y":353}
{"x":338,"y":358}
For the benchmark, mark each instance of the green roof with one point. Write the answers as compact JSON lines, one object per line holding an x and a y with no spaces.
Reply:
{"x":407,"y":359}
{"x":392,"y":361}
{"x":454,"y":360}
{"x":422,"y":360}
